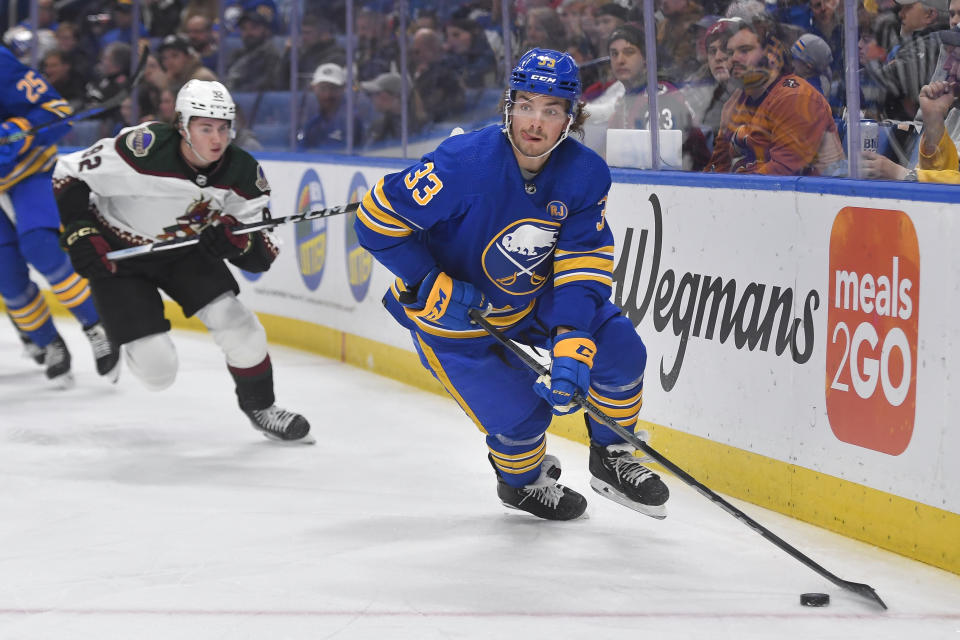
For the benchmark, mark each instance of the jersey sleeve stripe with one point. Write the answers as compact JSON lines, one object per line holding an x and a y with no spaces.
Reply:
{"x":582,"y":276}
{"x":382,"y":229}
{"x":369,"y":205}
{"x":384,"y":203}
{"x":608,"y":250}
{"x":567,"y":264}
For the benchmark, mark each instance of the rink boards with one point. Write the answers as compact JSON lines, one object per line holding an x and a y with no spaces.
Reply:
{"x":799,"y":333}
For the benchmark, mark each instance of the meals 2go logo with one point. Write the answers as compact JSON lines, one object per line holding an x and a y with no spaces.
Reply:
{"x":871,"y":381}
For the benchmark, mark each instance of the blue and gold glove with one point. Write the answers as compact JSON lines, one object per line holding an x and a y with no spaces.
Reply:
{"x":444,"y":301}
{"x":572,"y":359}
{"x":10,"y":151}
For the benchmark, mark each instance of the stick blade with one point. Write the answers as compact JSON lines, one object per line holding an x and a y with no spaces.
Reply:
{"x":864,"y":591}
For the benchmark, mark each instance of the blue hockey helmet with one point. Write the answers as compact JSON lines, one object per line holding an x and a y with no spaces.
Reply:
{"x":548,"y":72}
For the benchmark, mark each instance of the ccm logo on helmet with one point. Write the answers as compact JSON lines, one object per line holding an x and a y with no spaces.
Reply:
{"x":535,"y":76}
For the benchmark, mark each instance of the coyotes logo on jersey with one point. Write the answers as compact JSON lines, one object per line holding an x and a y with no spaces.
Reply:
{"x":199,"y":214}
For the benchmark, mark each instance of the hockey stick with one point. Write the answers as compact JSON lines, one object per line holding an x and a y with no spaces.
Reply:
{"x":863,"y":590}
{"x":112,"y":102}
{"x":250,"y":227}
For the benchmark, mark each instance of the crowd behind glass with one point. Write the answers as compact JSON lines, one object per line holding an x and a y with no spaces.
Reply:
{"x":422,"y":67}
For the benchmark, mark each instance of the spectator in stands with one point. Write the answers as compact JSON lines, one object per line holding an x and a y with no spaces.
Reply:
{"x":571,"y":13}
{"x":46,"y":16}
{"x":210,"y":9}
{"x":914,"y":62}
{"x":777,"y":124}
{"x":938,"y":161}
{"x":470,"y":54}
{"x":385,"y":92}
{"x":68,"y":43}
{"x":822,"y":18}
{"x":606,"y":18}
{"x":257,"y":66}
{"x":377,"y":50}
{"x":434,"y":78}
{"x":181,"y":63}
{"x":199,"y":32}
{"x":624,"y":105}
{"x":114,"y":71}
{"x":58,"y":70}
{"x":328,"y":129}
{"x":813,"y":61}
{"x":167,"y":106}
{"x":711,"y":87}
{"x":677,"y":39}
{"x":121,"y":23}
{"x":544,"y":29}
{"x":317,"y":46}
{"x":162,"y":17}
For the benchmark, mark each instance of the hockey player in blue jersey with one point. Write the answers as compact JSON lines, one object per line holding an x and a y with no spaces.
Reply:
{"x":30,"y":224}
{"x":511,"y":220}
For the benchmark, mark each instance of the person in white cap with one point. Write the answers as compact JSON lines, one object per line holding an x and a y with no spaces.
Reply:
{"x":328,"y":129}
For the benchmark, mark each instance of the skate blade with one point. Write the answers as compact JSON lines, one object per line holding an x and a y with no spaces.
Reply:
{"x":63,"y":382}
{"x":659,"y":512}
{"x":583,"y":516}
{"x":113,"y":375}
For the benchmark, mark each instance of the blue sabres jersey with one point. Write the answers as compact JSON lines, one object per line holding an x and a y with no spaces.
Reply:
{"x":467,"y":209}
{"x":28,"y":100}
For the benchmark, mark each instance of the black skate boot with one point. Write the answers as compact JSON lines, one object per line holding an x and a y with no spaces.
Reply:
{"x":620,"y":476}
{"x":280,"y":424}
{"x":545,"y":498}
{"x":57,"y":359}
{"x":105,"y":352}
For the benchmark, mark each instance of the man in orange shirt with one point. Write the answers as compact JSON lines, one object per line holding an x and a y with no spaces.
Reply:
{"x":776,"y":123}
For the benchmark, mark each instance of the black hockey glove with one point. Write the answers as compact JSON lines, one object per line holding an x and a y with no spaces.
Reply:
{"x":217,"y":239}
{"x":88,"y":250}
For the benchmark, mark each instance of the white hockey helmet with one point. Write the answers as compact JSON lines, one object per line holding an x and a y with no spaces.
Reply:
{"x":204,"y":99}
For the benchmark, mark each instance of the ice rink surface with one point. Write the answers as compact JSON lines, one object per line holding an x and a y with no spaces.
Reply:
{"x":130,"y":514}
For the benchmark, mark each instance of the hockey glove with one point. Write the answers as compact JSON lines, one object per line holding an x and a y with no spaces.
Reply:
{"x":88,"y":250}
{"x":444,"y":301}
{"x":221,"y":242}
{"x":572,"y":359}
{"x":10,"y":151}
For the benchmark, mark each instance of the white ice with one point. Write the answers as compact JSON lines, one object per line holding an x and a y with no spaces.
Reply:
{"x":130,"y":514}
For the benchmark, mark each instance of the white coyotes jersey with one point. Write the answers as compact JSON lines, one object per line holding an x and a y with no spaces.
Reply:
{"x":144,"y":191}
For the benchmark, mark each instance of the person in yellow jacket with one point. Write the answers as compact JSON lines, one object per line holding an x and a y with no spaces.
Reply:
{"x":938,"y":160}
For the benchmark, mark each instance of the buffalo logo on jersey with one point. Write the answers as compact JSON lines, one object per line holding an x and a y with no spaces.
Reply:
{"x":197,"y":216}
{"x":517,"y":260}
{"x":140,"y":142}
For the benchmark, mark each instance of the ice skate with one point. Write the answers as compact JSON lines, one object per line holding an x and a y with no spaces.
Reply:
{"x":620,"y":476}
{"x":105,"y":352}
{"x":31,"y":350}
{"x":280,"y":424}
{"x":57,"y":360}
{"x":545,"y":498}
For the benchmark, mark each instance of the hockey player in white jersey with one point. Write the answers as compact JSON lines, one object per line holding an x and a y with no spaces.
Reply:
{"x":155,"y":182}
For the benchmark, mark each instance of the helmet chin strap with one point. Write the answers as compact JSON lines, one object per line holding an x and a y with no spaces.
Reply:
{"x":506,"y":129}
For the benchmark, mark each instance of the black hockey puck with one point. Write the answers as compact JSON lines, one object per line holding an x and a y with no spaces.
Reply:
{"x":814,"y":599}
